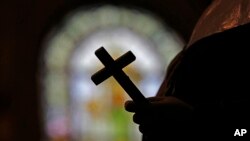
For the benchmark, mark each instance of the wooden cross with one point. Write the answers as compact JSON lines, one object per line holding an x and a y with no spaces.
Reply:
{"x":114,"y":68}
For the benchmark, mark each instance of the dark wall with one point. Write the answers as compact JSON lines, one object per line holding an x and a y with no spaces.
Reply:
{"x":22,"y":27}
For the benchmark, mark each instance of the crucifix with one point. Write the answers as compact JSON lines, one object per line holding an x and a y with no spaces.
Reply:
{"x":114,"y":68}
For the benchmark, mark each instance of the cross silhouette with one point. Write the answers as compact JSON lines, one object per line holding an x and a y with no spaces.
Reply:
{"x":114,"y":68}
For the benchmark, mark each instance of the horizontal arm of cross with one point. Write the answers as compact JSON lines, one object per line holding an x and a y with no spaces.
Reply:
{"x":110,"y":65}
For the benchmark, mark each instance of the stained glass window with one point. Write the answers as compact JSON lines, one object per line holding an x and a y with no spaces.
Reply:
{"x":77,"y":110}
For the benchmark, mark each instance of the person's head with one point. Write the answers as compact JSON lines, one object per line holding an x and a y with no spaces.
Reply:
{"x":219,"y":16}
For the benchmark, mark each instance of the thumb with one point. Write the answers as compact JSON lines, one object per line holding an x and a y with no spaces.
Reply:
{"x":130,"y":106}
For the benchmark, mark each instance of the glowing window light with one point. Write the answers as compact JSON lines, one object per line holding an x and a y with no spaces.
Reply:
{"x":76,"y":109}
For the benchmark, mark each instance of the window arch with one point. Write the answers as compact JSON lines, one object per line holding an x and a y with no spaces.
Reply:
{"x":76,"y":109}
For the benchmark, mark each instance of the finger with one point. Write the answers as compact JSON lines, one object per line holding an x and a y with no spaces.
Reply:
{"x":146,"y":129}
{"x":138,"y":118}
{"x":162,"y":100}
{"x":130,"y":106}
{"x":155,"y":98}
{"x":141,"y":129}
{"x":158,"y":103}
{"x":169,"y":101}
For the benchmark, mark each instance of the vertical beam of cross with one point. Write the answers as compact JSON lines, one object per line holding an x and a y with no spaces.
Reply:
{"x":114,"y":68}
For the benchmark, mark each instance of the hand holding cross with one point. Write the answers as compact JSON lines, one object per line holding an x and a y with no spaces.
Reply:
{"x":114,"y":68}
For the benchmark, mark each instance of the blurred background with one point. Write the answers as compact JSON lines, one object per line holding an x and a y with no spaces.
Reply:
{"x":47,"y":59}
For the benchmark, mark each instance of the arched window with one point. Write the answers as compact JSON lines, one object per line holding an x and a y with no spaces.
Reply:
{"x":76,"y":109}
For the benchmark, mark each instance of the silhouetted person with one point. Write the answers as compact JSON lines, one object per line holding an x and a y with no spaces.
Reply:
{"x":205,"y":92}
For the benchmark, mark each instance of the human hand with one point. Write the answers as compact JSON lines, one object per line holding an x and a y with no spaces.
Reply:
{"x":164,"y":113}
